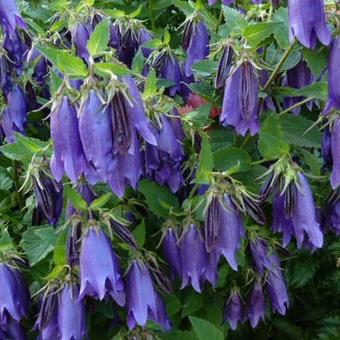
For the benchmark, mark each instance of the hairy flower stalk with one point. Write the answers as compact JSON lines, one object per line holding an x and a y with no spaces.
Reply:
{"x":100,"y":272}
{"x":143,"y":302}
{"x":307,"y":21}
{"x":196,"y":44}
{"x":333,"y":101}
{"x":233,"y":310}
{"x":240,"y":101}
{"x":68,"y":154}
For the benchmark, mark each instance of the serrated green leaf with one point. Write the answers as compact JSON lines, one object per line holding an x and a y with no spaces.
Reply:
{"x":139,"y":234}
{"x":109,"y":69}
{"x":204,"y":90}
{"x":64,"y":61}
{"x":38,"y":242}
{"x":59,"y":253}
{"x":271,"y":142}
{"x":157,"y":197}
{"x":256,"y":33}
{"x":183,"y":6}
{"x":295,"y":127}
{"x":150,"y":85}
{"x":99,"y":39}
{"x":101,"y":201}
{"x":316,"y":60}
{"x":235,"y":20}
{"x":6,"y":243}
{"x":205,"y":330}
{"x":206,"y":162}
{"x":281,"y":31}
{"x":138,"y":62}
{"x":205,"y":68}
{"x":76,"y":199}
{"x":232,"y":159}
{"x":136,"y":12}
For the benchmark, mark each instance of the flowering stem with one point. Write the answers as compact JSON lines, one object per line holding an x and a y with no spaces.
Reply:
{"x":16,"y":166}
{"x":152,"y":17}
{"x":296,"y":105}
{"x":278,"y":66}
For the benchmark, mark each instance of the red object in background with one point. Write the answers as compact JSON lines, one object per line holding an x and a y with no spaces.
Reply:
{"x":194,"y":101}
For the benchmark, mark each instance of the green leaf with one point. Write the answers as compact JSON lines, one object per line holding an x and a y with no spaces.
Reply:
{"x":271,"y":141}
{"x":256,"y":33}
{"x":313,"y":161}
{"x":114,"y":13}
{"x":38,"y":242}
{"x":153,"y":43}
{"x":158,"y":197}
{"x":206,"y":162}
{"x":281,"y":30}
{"x":64,"y":61}
{"x":205,"y":68}
{"x":101,"y":201}
{"x":199,"y":117}
{"x":295,"y":127}
{"x":99,"y":39}
{"x":6,"y":243}
{"x":205,"y":90}
{"x":59,"y":254}
{"x":150,"y":85}
{"x":235,"y":21}
{"x":107,"y":69}
{"x":183,"y":6}
{"x":139,"y":234}
{"x":316,"y":60}
{"x":24,"y":148}
{"x":76,"y":199}
{"x":205,"y":330}
{"x":317,"y":90}
{"x":138,"y":62}
{"x":231,"y":158}
{"x":6,"y":182}
{"x":136,"y":12}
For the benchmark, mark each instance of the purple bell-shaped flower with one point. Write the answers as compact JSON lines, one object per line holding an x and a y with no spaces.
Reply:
{"x":171,"y":251}
{"x":233,"y":310}
{"x":255,"y":305}
{"x":307,"y":21}
{"x":240,"y":102}
{"x":10,"y":17}
{"x":100,"y":272}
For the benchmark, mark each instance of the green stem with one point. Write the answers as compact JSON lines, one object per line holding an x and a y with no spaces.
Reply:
{"x":16,"y":165}
{"x":152,"y":17}
{"x":278,"y":66}
{"x":220,"y":18}
{"x":296,"y":105}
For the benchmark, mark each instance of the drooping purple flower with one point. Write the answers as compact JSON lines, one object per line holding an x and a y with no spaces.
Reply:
{"x":300,"y":221}
{"x":224,"y":66}
{"x":80,"y":35}
{"x":71,"y":314}
{"x":40,"y":70}
{"x":126,"y":37}
{"x":161,"y":316}
{"x":128,"y":170}
{"x":168,"y":68}
{"x":230,"y":232}
{"x":141,"y":296}
{"x":277,"y":290}
{"x":255,"y":305}
{"x":233,"y":310}
{"x":14,"y":296}
{"x":326,"y":150}
{"x":10,"y":17}
{"x":241,"y":102}
{"x":196,"y":46}
{"x":332,"y":214}
{"x":335,"y":145}
{"x":194,"y":257}
{"x":171,"y":251}
{"x":298,"y":77}
{"x":68,"y":155}
{"x":123,"y":233}
{"x":307,"y":21}
{"x":49,"y":197}
{"x":256,"y":2}
{"x":96,"y":135}
{"x":100,"y":273}
{"x":164,"y":161}
{"x":47,"y":321}
{"x":14,"y":116}
{"x":262,"y":259}
{"x":16,"y":49}
{"x":333,"y":77}
{"x":12,"y":330}
{"x":211,"y":270}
